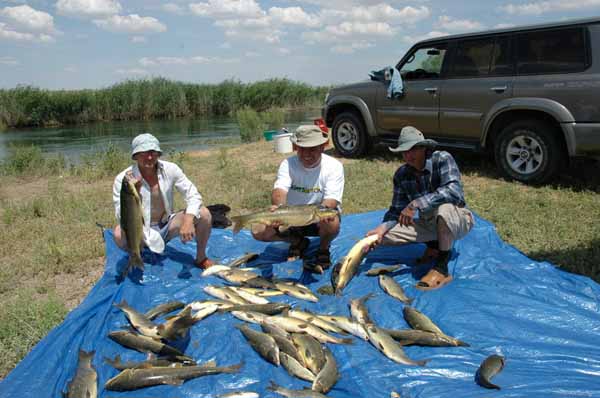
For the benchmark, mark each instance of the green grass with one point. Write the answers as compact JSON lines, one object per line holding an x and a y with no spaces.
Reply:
{"x":52,"y":215}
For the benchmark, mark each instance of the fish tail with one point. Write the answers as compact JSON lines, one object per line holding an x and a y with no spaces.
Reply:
{"x":237,"y":223}
{"x":135,"y":261}
{"x":233,"y":368}
{"x":347,"y":340}
{"x":483,"y":382}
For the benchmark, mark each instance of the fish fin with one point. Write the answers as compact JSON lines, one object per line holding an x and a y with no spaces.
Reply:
{"x":135,"y":261}
{"x":113,"y":362}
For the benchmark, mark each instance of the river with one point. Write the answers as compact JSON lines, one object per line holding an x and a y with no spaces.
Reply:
{"x":174,"y":135}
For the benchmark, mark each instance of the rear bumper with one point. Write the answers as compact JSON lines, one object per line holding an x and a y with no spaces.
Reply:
{"x":583,"y":139}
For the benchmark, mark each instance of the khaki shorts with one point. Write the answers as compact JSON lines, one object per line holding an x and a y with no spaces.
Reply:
{"x":458,"y":219}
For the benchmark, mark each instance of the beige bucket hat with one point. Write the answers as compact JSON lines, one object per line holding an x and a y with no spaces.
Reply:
{"x":409,"y":137}
{"x":308,"y":136}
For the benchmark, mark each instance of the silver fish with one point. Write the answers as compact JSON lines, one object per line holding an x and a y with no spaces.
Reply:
{"x":391,"y":287}
{"x":85,"y":381}
{"x":389,"y":347}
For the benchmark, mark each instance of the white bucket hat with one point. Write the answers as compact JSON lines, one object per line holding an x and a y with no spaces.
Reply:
{"x":409,"y":137}
{"x":144,"y":142}
{"x":308,"y":136}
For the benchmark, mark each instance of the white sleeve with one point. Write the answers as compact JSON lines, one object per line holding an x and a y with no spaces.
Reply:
{"x":284,"y":179}
{"x":116,"y":194}
{"x":193,"y":199}
{"x":334,"y":183}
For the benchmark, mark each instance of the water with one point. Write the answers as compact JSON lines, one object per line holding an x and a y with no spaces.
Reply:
{"x":174,"y":135}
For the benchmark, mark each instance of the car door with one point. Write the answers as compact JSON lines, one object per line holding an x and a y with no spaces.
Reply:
{"x":480,"y":74}
{"x":421,"y":76}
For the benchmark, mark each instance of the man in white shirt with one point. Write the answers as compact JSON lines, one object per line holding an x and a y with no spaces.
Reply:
{"x":155,"y":181}
{"x":309,"y":177}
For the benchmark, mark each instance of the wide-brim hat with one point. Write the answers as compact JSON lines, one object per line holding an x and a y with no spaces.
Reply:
{"x":409,"y":137}
{"x":143,"y":143}
{"x":308,"y":136}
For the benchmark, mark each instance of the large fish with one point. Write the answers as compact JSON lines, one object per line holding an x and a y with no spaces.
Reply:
{"x":422,"y":338}
{"x":132,"y":224}
{"x":132,"y":379}
{"x":267,"y":309}
{"x":149,"y":363}
{"x":246,"y":258}
{"x":163,"y":309}
{"x":145,"y":344}
{"x":389,"y":347}
{"x":315,"y":320}
{"x":295,"y":368}
{"x":295,"y":325}
{"x":139,"y":321}
{"x":85,"y":381}
{"x":262,"y":343}
{"x":177,"y":327}
{"x":359,"y":311}
{"x":347,"y":324}
{"x":490,"y":366}
{"x":391,"y":287}
{"x":310,"y":350}
{"x":297,"y":290}
{"x":286,"y":216}
{"x":417,"y":320}
{"x":345,"y":270}
{"x":328,"y":375}
{"x":286,"y":392}
{"x":383,"y":270}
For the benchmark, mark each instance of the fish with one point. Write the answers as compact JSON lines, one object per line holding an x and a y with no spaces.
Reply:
{"x":286,"y":392}
{"x":422,"y":338}
{"x":207,"y":310}
{"x":139,"y":321}
{"x":490,"y":367}
{"x":262,"y":343}
{"x":383,"y":270}
{"x":261,"y":292}
{"x":347,"y":324}
{"x":177,"y":327}
{"x":206,"y":305}
{"x":417,"y":320}
{"x":358,"y":309}
{"x":389,"y":347}
{"x":145,"y":344}
{"x":283,"y":340}
{"x":85,"y":381}
{"x":315,"y":320}
{"x":163,"y":309}
{"x":246,"y":278}
{"x":249,"y":297}
{"x":296,"y":290}
{"x":295,"y":368}
{"x":391,"y":287}
{"x":295,"y":325}
{"x":239,"y":394}
{"x":286,"y":216}
{"x":225,"y":293}
{"x":250,"y":316}
{"x":328,"y":375}
{"x":150,"y":363}
{"x":133,"y":379}
{"x":215,"y":269}
{"x":310,"y":350}
{"x":132,"y":224}
{"x":267,"y":309}
{"x":246,"y":258}
{"x":347,"y":267}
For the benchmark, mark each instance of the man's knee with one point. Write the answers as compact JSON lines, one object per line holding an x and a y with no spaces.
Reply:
{"x":331,"y":228}
{"x":205,"y":215}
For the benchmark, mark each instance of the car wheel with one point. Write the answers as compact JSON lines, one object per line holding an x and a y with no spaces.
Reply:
{"x":529,"y":151}
{"x":349,"y":135}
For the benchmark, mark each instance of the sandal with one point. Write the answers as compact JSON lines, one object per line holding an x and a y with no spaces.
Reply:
{"x":434,"y":279}
{"x":297,"y":248}
{"x":204,"y":264}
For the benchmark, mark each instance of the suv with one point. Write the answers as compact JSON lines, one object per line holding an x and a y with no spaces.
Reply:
{"x":529,"y":95}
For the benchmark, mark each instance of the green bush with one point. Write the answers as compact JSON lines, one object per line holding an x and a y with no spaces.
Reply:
{"x":23,"y":159}
{"x":273,"y":119}
{"x":251,"y":125}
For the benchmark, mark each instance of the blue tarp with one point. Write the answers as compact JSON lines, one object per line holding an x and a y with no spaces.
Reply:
{"x":544,"y":321}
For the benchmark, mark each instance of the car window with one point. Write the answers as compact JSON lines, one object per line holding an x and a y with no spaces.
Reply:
{"x":472,"y":58}
{"x":502,"y":62}
{"x":551,"y":51}
{"x":424,"y":63}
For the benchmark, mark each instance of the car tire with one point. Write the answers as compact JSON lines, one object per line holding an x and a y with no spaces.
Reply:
{"x":350,"y":135}
{"x":529,"y":151}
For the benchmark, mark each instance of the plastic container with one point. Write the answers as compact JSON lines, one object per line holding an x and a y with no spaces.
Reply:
{"x":269,"y":134}
{"x":321,"y":124}
{"x":283,"y":143}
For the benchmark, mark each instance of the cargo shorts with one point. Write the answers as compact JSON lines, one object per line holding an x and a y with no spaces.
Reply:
{"x":458,"y":219}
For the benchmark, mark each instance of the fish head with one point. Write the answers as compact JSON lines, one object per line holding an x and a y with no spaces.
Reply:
{"x":128,"y":188}
{"x":325,"y":212}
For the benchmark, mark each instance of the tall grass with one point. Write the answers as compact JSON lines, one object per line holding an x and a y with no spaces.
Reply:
{"x":145,"y":99}
{"x":251,"y":125}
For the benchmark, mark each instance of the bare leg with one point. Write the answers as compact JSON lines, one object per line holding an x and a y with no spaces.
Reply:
{"x":265,"y":233}
{"x":203,"y":227}
{"x":119,"y":237}
{"x":327,"y":233}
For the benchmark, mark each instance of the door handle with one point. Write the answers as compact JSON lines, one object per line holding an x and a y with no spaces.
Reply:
{"x":431,"y":90}
{"x":499,"y":89}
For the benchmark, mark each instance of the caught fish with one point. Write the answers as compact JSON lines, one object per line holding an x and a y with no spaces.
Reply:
{"x":422,"y":338}
{"x":163,"y":309}
{"x":267,"y":309}
{"x":225,"y":293}
{"x":358,"y":309}
{"x":249,"y":297}
{"x":389,"y":347}
{"x":311,"y":352}
{"x":261,"y":292}
{"x":239,"y":394}
{"x":286,"y":392}
{"x":347,"y":324}
{"x":145,"y":344}
{"x":246,"y":258}
{"x":315,"y":320}
{"x":262,"y":343}
{"x":286,"y":216}
{"x":417,"y":320}
{"x":296,"y":290}
{"x":391,"y":287}
{"x":150,"y":363}
{"x":250,"y":316}
{"x":283,"y":340}
{"x":345,"y":270}
{"x":215,"y":269}
{"x":246,"y":278}
{"x":489,"y":368}
{"x":139,"y":321}
{"x":177,"y":327}
{"x":132,"y":224}
{"x":295,"y":325}
{"x":85,"y":381}
{"x":295,"y":368}
{"x":328,"y":375}
{"x":383,"y":270}
{"x":133,"y":379}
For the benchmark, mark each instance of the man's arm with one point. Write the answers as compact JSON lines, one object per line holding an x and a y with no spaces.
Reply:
{"x":191,"y":196}
{"x":278,"y":197}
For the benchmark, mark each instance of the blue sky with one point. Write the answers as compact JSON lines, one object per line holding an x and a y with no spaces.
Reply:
{"x":73,"y":44}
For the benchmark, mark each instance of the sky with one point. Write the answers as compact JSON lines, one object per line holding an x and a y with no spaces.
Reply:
{"x":78,"y":44}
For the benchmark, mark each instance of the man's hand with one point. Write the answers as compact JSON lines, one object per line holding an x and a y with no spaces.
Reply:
{"x":275,"y":224}
{"x":379,"y":231}
{"x":407,"y":215}
{"x":187,"y":231}
{"x":137,"y":182}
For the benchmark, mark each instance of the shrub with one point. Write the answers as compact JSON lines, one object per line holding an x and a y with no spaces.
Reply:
{"x":251,"y":125}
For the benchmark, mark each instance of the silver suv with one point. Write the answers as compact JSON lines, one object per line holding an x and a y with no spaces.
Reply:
{"x":529,"y":95}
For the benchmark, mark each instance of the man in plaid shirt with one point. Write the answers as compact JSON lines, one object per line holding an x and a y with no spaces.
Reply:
{"x":429,"y":182}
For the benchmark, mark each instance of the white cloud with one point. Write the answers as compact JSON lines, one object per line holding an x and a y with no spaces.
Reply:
{"x":349,"y":31}
{"x":284,"y":51}
{"x":71,"y":69}
{"x":228,"y":8}
{"x":251,"y":54}
{"x":131,"y":24}
{"x":132,"y":72}
{"x":159,"y":61}
{"x":9,"y":34}
{"x":271,"y":36}
{"x":88,"y":8}
{"x":8,"y":61}
{"x":541,"y":7}
{"x":138,"y":39}
{"x":243,"y":23}
{"x":378,"y":13}
{"x":458,"y":25}
{"x":293,"y":16}
{"x":351,"y":48}
{"x":30,"y":19}
{"x":173,"y":8}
